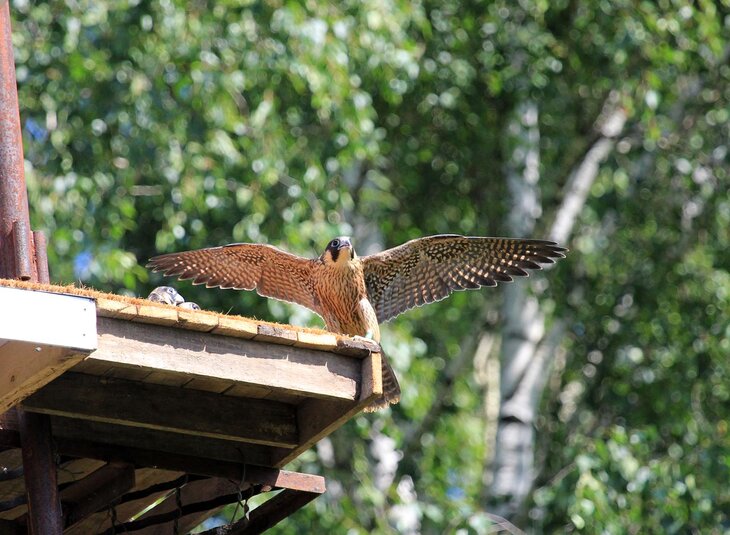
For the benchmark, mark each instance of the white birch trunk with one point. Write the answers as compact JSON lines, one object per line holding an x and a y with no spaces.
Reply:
{"x":523,"y":325}
{"x":526,"y":353}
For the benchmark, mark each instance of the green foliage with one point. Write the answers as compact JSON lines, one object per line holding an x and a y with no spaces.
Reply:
{"x":160,"y":126}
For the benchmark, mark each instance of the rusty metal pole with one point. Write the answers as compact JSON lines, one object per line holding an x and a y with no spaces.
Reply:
{"x":19,"y":260}
{"x":39,"y":469}
{"x":15,"y":237}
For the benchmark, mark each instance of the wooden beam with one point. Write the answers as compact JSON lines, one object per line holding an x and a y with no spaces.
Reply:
{"x":11,"y":462}
{"x":167,"y":408}
{"x":9,"y":438}
{"x":318,"y":418}
{"x":276,"y":334}
{"x":144,"y":478}
{"x":188,"y":463}
{"x":273,"y":511}
{"x":294,"y":370}
{"x":372,"y":378}
{"x":268,"y":514}
{"x":28,"y":367}
{"x":204,"y":490}
{"x":266,"y":477}
{"x":68,"y":472}
{"x":148,"y":458}
{"x":96,"y":491}
{"x":167,"y":520}
{"x":271,"y":477}
{"x":162,"y":441}
{"x":9,"y":527}
{"x":78,"y":445}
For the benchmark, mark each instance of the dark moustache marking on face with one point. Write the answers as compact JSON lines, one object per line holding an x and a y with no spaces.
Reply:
{"x":335,"y":253}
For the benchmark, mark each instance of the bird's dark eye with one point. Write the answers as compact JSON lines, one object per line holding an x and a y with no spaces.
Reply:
{"x":335,"y":244}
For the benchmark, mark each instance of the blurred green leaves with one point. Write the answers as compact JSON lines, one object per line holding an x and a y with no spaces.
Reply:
{"x":160,"y":126}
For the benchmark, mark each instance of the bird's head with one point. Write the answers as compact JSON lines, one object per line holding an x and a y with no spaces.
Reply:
{"x":339,"y":251}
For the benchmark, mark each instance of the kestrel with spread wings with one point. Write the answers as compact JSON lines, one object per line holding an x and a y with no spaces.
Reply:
{"x":355,"y":294}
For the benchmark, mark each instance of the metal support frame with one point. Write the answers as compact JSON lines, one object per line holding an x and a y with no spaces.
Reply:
{"x":23,"y":256}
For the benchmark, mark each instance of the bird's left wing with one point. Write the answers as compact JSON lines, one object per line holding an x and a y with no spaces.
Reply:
{"x":244,"y":266}
{"x":429,"y":269}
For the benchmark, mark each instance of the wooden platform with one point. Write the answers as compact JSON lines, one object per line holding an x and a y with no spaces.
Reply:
{"x":149,"y":394}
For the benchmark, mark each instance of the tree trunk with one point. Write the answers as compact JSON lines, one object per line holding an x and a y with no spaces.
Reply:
{"x":527,"y":353}
{"x":523,"y":326}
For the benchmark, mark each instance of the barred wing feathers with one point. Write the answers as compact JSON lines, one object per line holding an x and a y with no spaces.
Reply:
{"x":430,"y":269}
{"x":245,"y":266}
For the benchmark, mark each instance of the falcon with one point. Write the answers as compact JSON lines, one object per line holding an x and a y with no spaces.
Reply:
{"x":166,"y":295}
{"x":353,"y":294}
{"x":170,"y":296}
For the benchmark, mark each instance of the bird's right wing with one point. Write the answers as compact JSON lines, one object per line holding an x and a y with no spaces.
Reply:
{"x":244,"y":266}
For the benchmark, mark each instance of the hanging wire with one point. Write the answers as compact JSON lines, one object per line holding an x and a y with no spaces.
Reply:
{"x":242,"y":503}
{"x":178,"y":503}
{"x":113,"y":511}
{"x":241,"y":500}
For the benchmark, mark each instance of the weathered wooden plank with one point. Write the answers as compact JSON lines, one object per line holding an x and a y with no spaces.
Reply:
{"x":114,"y":308}
{"x":322,"y":341}
{"x":8,"y":527}
{"x":162,"y":441}
{"x":284,"y":397}
{"x":162,"y":378}
{"x":192,"y":464}
{"x":156,"y":314}
{"x":251,"y":391}
{"x":196,"y":321}
{"x":95,"y":367}
{"x":68,"y":471}
{"x":272,"y":511}
{"x":209,"y":384}
{"x":238,"y":327}
{"x":275,"y":334}
{"x":356,"y":347}
{"x":11,"y":462}
{"x":115,"y":372}
{"x":285,"y":479}
{"x":372,"y":378}
{"x":168,"y":521}
{"x":96,"y":491}
{"x":134,"y":404}
{"x":144,"y":478}
{"x":203,"y":355}
{"x":27,"y":367}
{"x":193,"y":492}
{"x":318,"y":418}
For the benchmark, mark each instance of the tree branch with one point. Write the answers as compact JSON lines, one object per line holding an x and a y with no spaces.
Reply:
{"x":582,"y":178}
